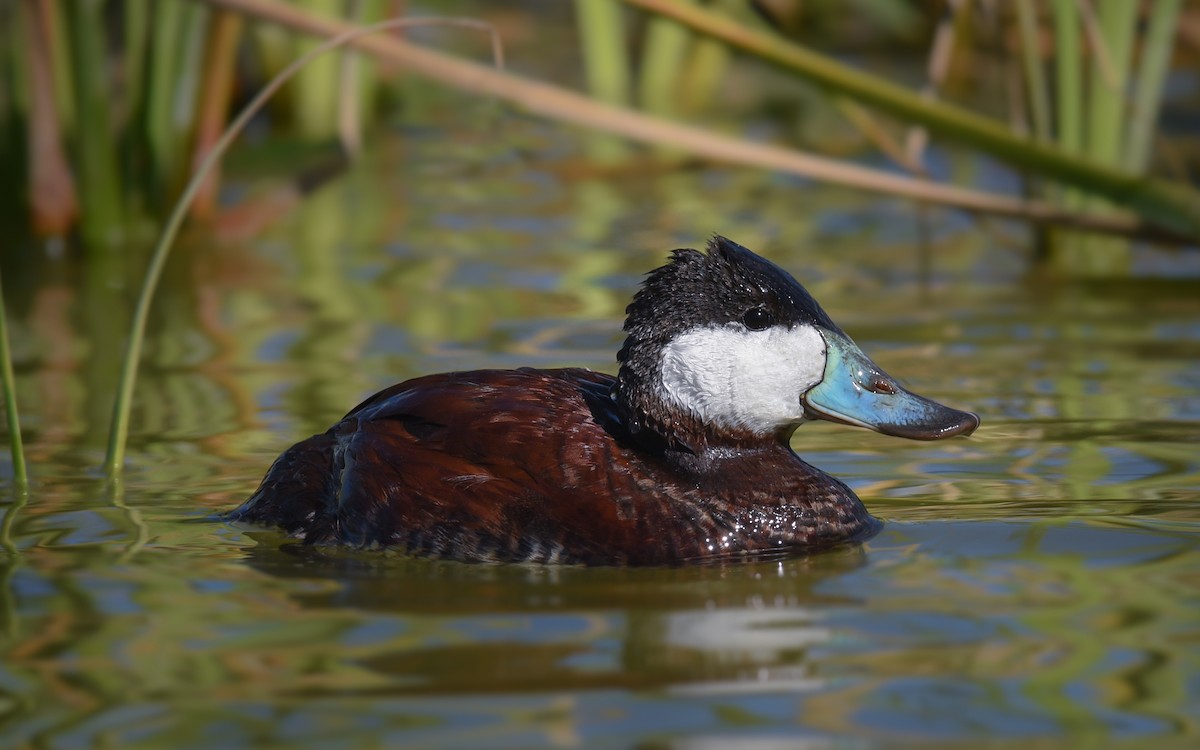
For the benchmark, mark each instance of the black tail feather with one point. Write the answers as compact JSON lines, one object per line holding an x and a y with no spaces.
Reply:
{"x":299,"y":492}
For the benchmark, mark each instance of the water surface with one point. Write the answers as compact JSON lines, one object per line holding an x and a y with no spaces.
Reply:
{"x":1035,"y":583}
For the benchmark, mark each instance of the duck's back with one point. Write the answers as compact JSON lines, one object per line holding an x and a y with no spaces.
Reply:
{"x":533,"y":465}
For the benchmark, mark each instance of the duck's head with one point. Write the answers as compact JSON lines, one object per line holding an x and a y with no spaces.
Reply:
{"x":725,"y":346}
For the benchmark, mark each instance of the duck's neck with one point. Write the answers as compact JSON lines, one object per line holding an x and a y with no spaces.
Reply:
{"x":639,"y":398}
{"x":652,"y":420}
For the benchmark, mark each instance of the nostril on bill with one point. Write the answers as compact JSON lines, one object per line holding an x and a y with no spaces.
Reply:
{"x":879,"y":385}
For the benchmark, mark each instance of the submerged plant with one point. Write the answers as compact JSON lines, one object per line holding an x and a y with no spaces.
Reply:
{"x":8,"y":384}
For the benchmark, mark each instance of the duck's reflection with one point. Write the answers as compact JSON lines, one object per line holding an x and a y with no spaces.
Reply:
{"x":450,"y":627}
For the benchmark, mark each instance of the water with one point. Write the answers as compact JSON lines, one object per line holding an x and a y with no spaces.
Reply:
{"x":1036,"y":583}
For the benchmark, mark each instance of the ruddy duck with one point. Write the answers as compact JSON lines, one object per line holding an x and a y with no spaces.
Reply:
{"x":683,"y":456}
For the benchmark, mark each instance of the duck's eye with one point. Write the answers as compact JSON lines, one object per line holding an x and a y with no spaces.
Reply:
{"x":757,"y":319}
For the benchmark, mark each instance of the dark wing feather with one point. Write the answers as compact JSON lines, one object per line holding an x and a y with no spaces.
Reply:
{"x":473,"y":465}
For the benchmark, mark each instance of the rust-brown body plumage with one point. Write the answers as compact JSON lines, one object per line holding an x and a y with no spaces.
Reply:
{"x":536,"y":465}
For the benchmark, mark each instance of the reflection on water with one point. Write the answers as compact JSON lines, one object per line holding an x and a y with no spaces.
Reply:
{"x":1036,"y":582}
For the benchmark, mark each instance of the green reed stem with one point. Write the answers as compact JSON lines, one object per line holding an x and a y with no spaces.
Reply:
{"x":173,"y":76}
{"x":1069,"y":76}
{"x":1170,"y":203}
{"x":1035,"y":76}
{"x":9,"y":385}
{"x":706,"y":66}
{"x":102,"y":220}
{"x":161,"y":74}
{"x":1106,"y":118}
{"x":119,"y":432}
{"x":602,"y":36}
{"x":606,"y":68}
{"x":663,"y":55}
{"x":136,"y":27}
{"x":1156,"y":59}
{"x":64,"y":80}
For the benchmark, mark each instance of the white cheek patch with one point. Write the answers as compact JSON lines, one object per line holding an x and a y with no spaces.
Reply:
{"x":736,"y":378}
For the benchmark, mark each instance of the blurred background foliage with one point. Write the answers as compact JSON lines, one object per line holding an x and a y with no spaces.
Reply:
{"x":106,"y":106}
